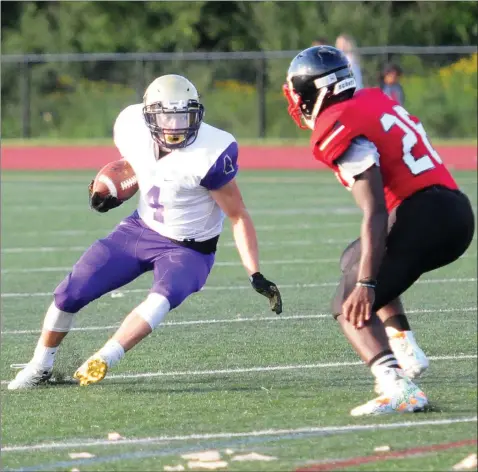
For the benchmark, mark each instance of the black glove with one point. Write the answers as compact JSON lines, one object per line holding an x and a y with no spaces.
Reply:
{"x":269,"y":289}
{"x":102,"y":204}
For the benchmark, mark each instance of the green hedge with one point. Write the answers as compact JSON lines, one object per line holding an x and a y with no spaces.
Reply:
{"x":445,"y":100}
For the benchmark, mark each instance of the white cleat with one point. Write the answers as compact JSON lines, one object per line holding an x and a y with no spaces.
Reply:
{"x":409,"y":356}
{"x":30,"y":376}
{"x":400,"y":395}
{"x":92,"y":371}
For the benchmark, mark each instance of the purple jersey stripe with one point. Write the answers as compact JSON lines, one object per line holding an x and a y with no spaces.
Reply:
{"x":223,"y":170}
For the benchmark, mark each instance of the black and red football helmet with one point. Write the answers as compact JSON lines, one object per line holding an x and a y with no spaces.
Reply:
{"x":318,"y":77}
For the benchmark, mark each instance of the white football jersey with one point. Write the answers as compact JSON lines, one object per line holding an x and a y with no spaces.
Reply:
{"x":174,"y":190}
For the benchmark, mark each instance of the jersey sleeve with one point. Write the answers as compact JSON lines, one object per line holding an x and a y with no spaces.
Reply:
{"x":223,"y":170}
{"x":333,"y":144}
{"x":332,"y":134}
{"x":350,"y":124}
{"x":359,"y":156}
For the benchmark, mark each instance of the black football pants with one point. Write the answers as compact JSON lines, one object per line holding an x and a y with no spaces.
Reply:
{"x":428,"y":230}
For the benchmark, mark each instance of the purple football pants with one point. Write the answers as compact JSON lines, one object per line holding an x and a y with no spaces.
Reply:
{"x":130,"y":250}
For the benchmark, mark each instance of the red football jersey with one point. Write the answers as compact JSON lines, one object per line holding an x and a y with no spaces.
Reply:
{"x":408,"y":161}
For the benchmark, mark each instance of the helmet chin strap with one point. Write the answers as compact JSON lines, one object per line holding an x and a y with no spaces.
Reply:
{"x":310,"y":122}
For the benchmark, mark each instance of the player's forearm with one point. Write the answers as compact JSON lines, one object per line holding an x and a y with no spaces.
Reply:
{"x":246,"y":242}
{"x":373,"y":236}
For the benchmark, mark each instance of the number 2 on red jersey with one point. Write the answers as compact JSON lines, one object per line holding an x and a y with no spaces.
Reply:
{"x":412,"y":130}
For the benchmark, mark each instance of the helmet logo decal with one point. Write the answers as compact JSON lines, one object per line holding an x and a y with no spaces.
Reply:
{"x":344,"y":85}
{"x":325,"y":81}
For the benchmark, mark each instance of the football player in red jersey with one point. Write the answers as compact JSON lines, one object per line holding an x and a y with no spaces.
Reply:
{"x":415,"y":219}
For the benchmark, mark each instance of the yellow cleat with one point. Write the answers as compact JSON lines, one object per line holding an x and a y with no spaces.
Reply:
{"x":92,"y":371}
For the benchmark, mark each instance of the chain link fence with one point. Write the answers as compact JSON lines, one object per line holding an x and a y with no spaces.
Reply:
{"x":78,"y":96}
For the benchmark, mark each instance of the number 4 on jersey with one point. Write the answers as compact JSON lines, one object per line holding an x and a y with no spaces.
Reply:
{"x":153,"y":202}
{"x":416,"y":164}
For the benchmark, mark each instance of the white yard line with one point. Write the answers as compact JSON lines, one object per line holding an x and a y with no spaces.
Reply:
{"x":307,"y":200}
{"x":216,"y":264}
{"x":278,"y":227}
{"x":316,"y":177}
{"x":312,"y":210}
{"x":230,"y":435}
{"x":276,"y":368}
{"x":23,"y":250}
{"x":247,"y":370}
{"x":299,"y":242}
{"x":36,"y":269}
{"x":243,"y":287}
{"x":241,"y":320}
{"x":192,"y":322}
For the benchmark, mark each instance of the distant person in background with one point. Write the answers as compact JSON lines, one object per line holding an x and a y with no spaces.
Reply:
{"x":320,"y":42}
{"x":347,"y":45}
{"x":390,"y":82}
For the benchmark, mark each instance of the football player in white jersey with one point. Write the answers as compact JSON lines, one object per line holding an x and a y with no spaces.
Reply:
{"x":186,"y":174}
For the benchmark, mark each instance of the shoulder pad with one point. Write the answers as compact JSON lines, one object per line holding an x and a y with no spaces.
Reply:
{"x":129,"y":125}
{"x":128,"y":115}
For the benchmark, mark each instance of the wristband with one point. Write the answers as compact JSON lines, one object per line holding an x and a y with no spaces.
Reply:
{"x":367,"y":282}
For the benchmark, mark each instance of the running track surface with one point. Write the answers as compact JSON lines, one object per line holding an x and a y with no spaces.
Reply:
{"x":250,"y":157}
{"x":356,"y":461}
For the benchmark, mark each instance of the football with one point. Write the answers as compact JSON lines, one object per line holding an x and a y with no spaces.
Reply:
{"x":117,"y":179}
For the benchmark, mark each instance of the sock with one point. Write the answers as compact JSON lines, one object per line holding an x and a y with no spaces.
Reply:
{"x":112,"y":352}
{"x":396,"y":324}
{"x":382,"y":361}
{"x":44,"y":356}
{"x":385,"y":367}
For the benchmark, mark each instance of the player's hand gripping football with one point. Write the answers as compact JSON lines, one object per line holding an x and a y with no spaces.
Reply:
{"x":357,"y":309}
{"x":101,"y":203}
{"x":269,"y":289}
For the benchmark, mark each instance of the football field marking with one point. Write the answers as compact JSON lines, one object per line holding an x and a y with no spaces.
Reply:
{"x":307,"y":199}
{"x":318,"y":176}
{"x":259,"y":227}
{"x":267,"y":369}
{"x":300,"y":242}
{"x":240,"y":320}
{"x":277,"y":368}
{"x":311,"y":207}
{"x":244,"y":287}
{"x":230,"y":435}
{"x":342,"y":464}
{"x":312,"y":210}
{"x":216,"y":264}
